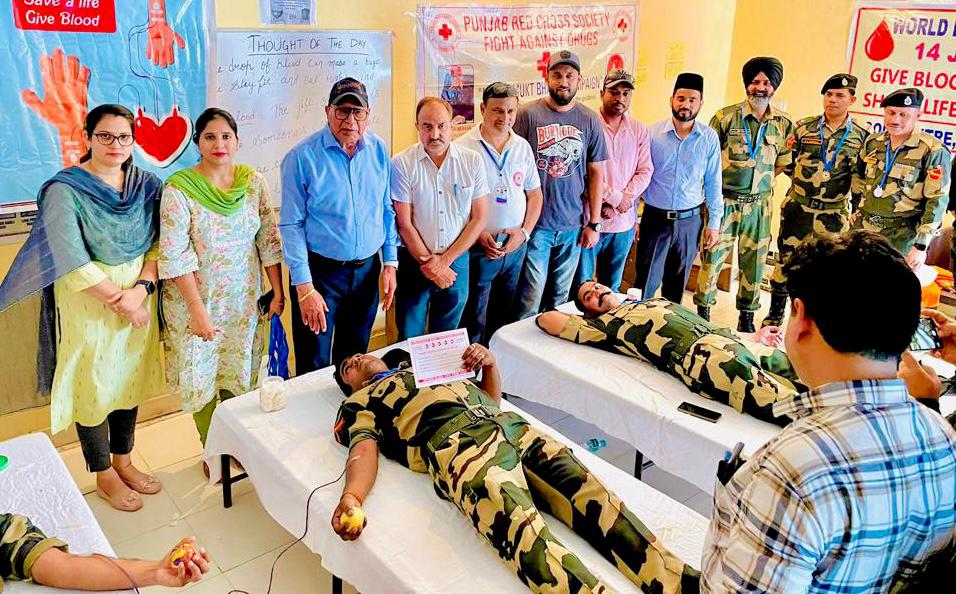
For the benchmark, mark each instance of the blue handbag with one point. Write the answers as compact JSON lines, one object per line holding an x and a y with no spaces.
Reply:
{"x":278,"y":349}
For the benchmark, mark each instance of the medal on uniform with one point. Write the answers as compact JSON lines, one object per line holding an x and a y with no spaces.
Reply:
{"x":827,"y":162}
{"x":753,"y":147}
{"x":890,"y":160}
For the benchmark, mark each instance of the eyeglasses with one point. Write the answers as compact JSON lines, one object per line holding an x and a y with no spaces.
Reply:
{"x":343,"y":113}
{"x":106,"y":139}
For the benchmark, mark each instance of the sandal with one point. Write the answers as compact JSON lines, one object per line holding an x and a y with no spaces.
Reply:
{"x":129,"y":503}
{"x":147,"y":486}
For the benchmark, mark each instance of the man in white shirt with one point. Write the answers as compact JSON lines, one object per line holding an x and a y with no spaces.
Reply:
{"x":440,"y":195}
{"x":497,"y":256}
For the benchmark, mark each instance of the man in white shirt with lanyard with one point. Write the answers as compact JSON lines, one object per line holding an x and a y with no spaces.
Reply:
{"x":497,"y":256}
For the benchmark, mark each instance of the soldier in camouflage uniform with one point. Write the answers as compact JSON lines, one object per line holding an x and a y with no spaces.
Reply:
{"x":753,"y":140}
{"x":499,"y":471}
{"x":901,"y":183}
{"x":818,"y":201}
{"x":22,"y":545}
{"x":713,"y":362}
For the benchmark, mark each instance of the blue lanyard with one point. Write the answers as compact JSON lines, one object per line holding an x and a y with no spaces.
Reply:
{"x":890,"y":161}
{"x":379,"y":376}
{"x":491,"y":155}
{"x":828,"y":164}
{"x":753,"y":148}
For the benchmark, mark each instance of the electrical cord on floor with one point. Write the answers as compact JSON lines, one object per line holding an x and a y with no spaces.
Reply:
{"x":304,"y":532}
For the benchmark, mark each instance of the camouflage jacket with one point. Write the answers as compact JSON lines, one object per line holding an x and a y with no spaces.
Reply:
{"x":806,"y":170}
{"x":21,"y":544}
{"x":916,"y":186}
{"x":733,"y":129}
{"x":402,"y":417}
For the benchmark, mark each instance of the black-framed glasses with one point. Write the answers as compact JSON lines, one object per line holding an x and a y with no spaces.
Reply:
{"x":106,"y":139}
{"x":343,"y":113}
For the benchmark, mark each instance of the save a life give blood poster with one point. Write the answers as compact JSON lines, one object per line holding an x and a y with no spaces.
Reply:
{"x":894,"y":45}
{"x":64,"y":57}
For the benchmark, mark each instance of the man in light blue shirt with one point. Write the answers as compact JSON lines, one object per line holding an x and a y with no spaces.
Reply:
{"x":336,"y":217}
{"x":686,"y":158}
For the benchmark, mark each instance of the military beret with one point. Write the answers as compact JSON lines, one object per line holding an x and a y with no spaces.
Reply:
{"x":771,"y":67}
{"x":840,"y":81}
{"x":908,"y":97}
{"x":689,"y":80}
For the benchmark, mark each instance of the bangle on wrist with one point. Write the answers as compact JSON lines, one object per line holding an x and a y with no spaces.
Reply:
{"x":308,"y":294}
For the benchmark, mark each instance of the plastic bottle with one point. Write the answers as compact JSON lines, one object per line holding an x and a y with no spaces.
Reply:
{"x":595,"y":444}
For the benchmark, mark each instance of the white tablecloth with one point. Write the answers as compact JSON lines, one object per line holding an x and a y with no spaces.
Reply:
{"x":414,"y":542}
{"x":627,"y":398}
{"x":37,"y":484}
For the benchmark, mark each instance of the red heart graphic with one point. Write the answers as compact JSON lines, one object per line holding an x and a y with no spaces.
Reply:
{"x":161,"y":144}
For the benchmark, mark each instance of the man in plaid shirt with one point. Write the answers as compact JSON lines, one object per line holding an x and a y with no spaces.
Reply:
{"x":860,"y":490}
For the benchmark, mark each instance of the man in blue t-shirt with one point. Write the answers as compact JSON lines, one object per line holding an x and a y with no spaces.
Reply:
{"x":568,"y":144}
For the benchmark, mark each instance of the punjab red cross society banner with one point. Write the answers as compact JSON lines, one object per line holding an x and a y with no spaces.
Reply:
{"x":895,"y":45}
{"x":461,"y":49}
{"x":64,"y":57}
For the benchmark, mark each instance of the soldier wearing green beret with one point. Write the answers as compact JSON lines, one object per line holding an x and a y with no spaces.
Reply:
{"x":825,"y":150}
{"x":753,"y":140}
{"x":901,"y":183}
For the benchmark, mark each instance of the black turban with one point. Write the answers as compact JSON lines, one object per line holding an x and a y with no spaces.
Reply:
{"x":771,"y":67}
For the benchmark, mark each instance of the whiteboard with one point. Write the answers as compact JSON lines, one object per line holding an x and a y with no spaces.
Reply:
{"x":276,"y":84}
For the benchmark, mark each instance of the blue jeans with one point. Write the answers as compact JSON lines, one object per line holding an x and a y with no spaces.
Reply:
{"x":350,"y":290}
{"x":548,"y":270}
{"x":609,"y":257}
{"x":491,"y":292}
{"x":419,"y":303}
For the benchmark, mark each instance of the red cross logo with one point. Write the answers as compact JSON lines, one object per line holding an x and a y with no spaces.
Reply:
{"x":445,"y":31}
{"x":543,"y":64}
{"x":622,"y":25}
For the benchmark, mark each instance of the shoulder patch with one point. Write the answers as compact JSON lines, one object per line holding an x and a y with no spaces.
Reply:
{"x":935,"y":174}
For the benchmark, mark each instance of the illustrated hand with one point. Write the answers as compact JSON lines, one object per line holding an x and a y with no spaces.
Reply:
{"x":64,"y":103}
{"x":191,"y":569}
{"x":389,"y":282}
{"x":159,"y":45}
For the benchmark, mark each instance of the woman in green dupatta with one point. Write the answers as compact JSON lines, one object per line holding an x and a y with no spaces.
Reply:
{"x":217,"y":232}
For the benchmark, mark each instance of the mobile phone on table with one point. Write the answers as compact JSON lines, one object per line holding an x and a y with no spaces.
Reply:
{"x":699,"y":411}
{"x":501,"y":239}
{"x":926,"y":337}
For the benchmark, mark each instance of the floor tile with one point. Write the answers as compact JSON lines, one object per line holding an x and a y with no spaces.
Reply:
{"x":670,"y":485}
{"x":299,"y":571}
{"x":701,"y":503}
{"x":190,"y":489}
{"x":580,"y":431}
{"x":545,"y":414}
{"x":118,"y":526}
{"x":168,"y":441}
{"x":239,"y":534}
{"x":218,"y":584}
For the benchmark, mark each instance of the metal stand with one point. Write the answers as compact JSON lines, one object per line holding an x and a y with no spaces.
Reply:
{"x":228,"y":480}
{"x":640,"y":465}
{"x":336,"y":585}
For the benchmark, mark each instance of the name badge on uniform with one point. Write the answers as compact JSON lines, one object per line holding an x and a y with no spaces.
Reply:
{"x":501,"y":192}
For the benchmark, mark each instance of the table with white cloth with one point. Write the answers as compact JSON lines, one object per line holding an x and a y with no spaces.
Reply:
{"x":37,"y":484}
{"x":630,"y":399}
{"x":414,"y":541}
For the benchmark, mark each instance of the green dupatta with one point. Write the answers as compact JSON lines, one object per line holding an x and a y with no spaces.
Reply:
{"x":225,"y":202}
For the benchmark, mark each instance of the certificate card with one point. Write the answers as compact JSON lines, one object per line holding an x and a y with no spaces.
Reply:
{"x":436,"y":358}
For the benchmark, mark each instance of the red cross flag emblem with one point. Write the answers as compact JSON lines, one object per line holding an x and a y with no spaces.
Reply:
{"x":444,"y":32}
{"x":622,"y":24}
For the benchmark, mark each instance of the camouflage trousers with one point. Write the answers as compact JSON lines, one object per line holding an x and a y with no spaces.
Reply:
{"x":797,"y":223}
{"x":748,"y":377}
{"x":903,"y":236}
{"x":503,"y":473}
{"x":747,"y":223}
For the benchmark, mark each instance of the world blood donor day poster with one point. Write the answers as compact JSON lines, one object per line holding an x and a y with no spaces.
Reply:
{"x":461,"y":49}
{"x":65,"y":57}
{"x":894,"y":46}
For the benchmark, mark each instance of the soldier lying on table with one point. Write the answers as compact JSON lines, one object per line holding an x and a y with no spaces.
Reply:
{"x":499,"y":470}
{"x":28,"y":554}
{"x":742,"y":370}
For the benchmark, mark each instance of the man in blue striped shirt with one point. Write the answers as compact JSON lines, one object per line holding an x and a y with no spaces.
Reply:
{"x":336,"y":218}
{"x":686,"y":158}
{"x":859,"y":491}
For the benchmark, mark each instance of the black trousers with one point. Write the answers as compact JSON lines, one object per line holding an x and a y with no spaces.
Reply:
{"x":113,"y":436}
{"x":665,"y":253}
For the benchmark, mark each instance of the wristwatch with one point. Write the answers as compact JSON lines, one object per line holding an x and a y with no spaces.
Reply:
{"x":594,"y":226}
{"x":527,"y":236}
{"x":149,"y":285}
{"x":920,"y":246}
